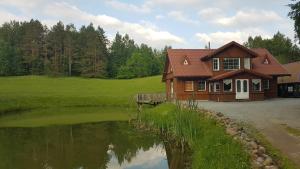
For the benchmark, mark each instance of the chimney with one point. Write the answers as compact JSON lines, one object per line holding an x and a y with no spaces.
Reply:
{"x":208,"y":45}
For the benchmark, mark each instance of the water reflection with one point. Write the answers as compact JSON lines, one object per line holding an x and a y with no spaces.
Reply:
{"x":108,"y":145}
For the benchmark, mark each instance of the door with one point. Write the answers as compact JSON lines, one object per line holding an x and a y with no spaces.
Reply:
{"x":242,"y":88}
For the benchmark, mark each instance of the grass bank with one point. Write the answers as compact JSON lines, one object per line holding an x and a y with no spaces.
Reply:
{"x":30,"y":101}
{"x":212,"y":148}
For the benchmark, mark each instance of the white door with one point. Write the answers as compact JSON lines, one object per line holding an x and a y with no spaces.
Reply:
{"x":242,"y":88}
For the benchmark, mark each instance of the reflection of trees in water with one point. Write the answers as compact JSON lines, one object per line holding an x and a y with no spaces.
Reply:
{"x":76,"y":146}
{"x":176,"y":158}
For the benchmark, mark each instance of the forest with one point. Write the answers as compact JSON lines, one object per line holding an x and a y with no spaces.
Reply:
{"x":30,"y":48}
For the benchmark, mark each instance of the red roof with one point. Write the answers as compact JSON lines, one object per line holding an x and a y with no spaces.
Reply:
{"x":272,"y":68}
{"x":294,"y":70}
{"x":235,"y":72}
{"x":197,"y":67}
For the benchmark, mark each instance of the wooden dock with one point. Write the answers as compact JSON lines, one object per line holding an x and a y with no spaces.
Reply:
{"x":150,"y":98}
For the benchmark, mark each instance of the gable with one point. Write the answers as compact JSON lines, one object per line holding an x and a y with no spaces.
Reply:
{"x":230,"y":46}
{"x":234,"y":52}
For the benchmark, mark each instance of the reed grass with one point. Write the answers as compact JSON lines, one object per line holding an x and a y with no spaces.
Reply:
{"x":211,"y":147}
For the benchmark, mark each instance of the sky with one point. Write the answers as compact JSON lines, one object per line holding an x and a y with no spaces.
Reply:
{"x":179,"y":23}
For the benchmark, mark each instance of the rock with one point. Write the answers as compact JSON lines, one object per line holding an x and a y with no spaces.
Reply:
{"x":253,"y":145}
{"x":268,"y":161}
{"x":271,"y":167}
{"x":231,"y":131}
{"x":260,"y":159}
{"x":261,"y":150}
{"x":219,"y":114}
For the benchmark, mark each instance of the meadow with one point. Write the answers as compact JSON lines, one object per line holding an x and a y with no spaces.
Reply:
{"x":30,"y":101}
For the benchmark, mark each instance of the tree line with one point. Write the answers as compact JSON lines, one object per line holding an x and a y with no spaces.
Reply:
{"x":279,"y":46}
{"x":30,"y":48}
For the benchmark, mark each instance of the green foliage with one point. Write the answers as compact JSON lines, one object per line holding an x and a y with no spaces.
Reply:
{"x":279,"y":45}
{"x":212,"y":148}
{"x":295,"y":15}
{"x":38,"y":100}
{"x":29,"y":48}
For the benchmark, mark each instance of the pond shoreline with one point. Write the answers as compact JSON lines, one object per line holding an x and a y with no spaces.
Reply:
{"x":210,"y":146}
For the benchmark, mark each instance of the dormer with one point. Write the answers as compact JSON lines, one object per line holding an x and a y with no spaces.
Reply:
{"x":186,"y":61}
{"x":266,"y":61}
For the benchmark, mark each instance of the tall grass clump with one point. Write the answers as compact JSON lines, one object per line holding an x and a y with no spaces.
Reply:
{"x":211,"y":147}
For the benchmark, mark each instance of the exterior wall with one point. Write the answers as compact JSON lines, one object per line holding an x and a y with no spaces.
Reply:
{"x":283,"y":90}
{"x":185,"y":95}
{"x":272,"y":92}
{"x":180,"y":94}
{"x":233,"y":52}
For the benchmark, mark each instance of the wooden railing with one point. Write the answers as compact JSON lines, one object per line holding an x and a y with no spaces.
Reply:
{"x":150,"y":98}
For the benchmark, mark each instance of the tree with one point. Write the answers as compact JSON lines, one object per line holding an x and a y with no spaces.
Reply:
{"x":93,"y":51}
{"x":295,"y":15}
{"x":121,"y":49}
{"x":31,"y":48}
{"x":279,"y":45}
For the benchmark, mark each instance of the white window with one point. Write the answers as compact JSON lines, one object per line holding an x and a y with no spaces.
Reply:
{"x":247,"y":63}
{"x":201,"y":85}
{"x":216,"y":64}
{"x":290,"y":89}
{"x":189,"y":86}
{"x":227,"y":85}
{"x":266,"y":61}
{"x":210,"y":87}
{"x":185,"y":62}
{"x":256,"y":84}
{"x":266,"y":84}
{"x":216,"y":87}
{"x":231,"y":63}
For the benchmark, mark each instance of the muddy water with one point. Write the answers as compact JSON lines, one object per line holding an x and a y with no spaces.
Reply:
{"x":106,"y":145}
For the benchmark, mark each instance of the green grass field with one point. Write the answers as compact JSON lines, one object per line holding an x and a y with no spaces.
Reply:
{"x":30,"y":101}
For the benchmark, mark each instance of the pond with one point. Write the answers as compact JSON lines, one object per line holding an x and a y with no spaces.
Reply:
{"x":106,"y":145}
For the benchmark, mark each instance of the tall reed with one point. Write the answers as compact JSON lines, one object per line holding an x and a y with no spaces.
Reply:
{"x":211,"y":147}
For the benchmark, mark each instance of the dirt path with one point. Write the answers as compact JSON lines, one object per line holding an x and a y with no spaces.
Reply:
{"x":268,"y":117}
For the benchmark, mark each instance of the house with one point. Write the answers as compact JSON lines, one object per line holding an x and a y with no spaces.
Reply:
{"x":290,"y":86}
{"x":229,"y":73}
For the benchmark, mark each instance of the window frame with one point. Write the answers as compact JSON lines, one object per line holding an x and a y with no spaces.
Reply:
{"x":249,"y":59}
{"x":204,"y":85}
{"x":215,"y":88}
{"x":264,"y":84}
{"x":229,"y":58}
{"x":253,"y":85}
{"x":230,"y":86}
{"x":185,"y":86}
{"x":218,"y":64}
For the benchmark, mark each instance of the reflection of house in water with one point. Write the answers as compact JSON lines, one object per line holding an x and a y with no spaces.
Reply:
{"x":290,"y":86}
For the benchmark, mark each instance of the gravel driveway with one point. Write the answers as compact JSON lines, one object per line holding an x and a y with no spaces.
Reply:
{"x":267,"y":116}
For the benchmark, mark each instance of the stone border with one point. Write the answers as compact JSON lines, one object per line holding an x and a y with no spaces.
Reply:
{"x":259,"y":156}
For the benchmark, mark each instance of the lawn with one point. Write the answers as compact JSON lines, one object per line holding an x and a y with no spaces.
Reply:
{"x":30,"y":101}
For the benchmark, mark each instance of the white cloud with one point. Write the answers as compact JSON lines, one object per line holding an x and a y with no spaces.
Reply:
{"x":210,"y":13}
{"x":159,"y":17}
{"x":141,"y":33}
{"x":249,"y":18}
{"x":180,"y":16}
{"x":219,"y":38}
{"x":128,"y":7}
{"x":7,"y":16}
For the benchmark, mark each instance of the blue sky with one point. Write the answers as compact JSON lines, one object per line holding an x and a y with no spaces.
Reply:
{"x":180,"y":23}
